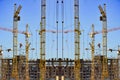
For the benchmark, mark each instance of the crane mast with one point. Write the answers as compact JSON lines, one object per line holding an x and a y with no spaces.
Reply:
{"x":16,"y":18}
{"x":92,"y":52}
{"x":27,"y":53}
{"x":42,"y":40}
{"x":103,"y":18}
{"x":77,"y":42}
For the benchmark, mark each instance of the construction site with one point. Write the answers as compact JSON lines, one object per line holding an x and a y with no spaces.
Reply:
{"x":56,"y":63}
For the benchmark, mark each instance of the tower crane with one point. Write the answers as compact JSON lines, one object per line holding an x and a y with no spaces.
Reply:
{"x":42,"y":40}
{"x":27,"y":34}
{"x":27,"y":43}
{"x":27,"y":53}
{"x":77,"y":33}
{"x":92,"y":35}
{"x":103,"y":18}
{"x":92,"y":52}
{"x":16,"y":18}
{"x":104,"y":31}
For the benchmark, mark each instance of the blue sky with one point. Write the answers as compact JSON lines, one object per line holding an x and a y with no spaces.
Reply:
{"x":31,"y":12}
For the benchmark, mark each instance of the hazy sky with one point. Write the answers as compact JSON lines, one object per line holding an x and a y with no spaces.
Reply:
{"x":31,"y":12}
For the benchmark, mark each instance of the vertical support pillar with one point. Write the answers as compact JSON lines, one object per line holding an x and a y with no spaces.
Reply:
{"x":43,"y":40}
{"x":77,"y":40}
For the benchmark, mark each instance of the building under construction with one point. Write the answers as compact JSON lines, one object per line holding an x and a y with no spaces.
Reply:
{"x":60,"y":68}
{"x":20,"y":67}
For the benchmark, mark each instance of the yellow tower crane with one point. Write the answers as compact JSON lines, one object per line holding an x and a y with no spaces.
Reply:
{"x":92,"y":35}
{"x":93,"y":48}
{"x":77,"y":33}
{"x":42,"y":40}
{"x":16,"y":18}
{"x":103,"y":18}
{"x":26,"y":33}
{"x":27,"y":53}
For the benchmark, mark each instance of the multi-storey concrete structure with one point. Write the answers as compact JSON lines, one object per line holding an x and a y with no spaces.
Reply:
{"x":112,"y":68}
{"x":59,"y":68}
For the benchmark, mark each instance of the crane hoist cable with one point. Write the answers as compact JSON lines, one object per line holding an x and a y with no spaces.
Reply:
{"x":54,"y":13}
{"x":71,"y":24}
{"x":62,"y":14}
{"x":53,"y":41}
{"x":67,"y":48}
{"x":57,"y":14}
{"x":36,"y":43}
